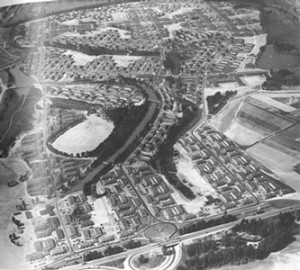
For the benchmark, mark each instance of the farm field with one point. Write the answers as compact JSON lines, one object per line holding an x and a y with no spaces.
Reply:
{"x":291,"y":99}
{"x":289,"y":138}
{"x":255,"y":121}
{"x":258,"y":118}
{"x":269,"y":100}
{"x":224,"y":118}
{"x":242,"y":135}
{"x":278,"y":162}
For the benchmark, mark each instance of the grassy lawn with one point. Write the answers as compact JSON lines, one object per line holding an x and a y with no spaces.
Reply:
{"x":161,"y":230}
{"x":117,"y":263}
{"x":283,"y":203}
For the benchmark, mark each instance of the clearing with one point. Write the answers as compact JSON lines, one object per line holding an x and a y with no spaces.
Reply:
{"x":125,"y":60}
{"x":253,"y":81}
{"x":191,"y":206}
{"x":119,"y":16}
{"x":180,"y":11}
{"x":100,"y":214}
{"x":188,"y":173}
{"x":80,"y":58}
{"x":258,"y":41}
{"x":85,"y":136}
{"x":172,"y":28}
{"x":71,"y":22}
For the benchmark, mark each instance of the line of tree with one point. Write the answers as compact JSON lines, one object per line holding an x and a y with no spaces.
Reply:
{"x":93,"y":255}
{"x":132,"y":244}
{"x":203,"y":224}
{"x":100,"y":50}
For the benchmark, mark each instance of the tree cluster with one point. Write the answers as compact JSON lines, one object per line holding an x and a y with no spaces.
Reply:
{"x":280,"y":78}
{"x":173,"y":62}
{"x":216,"y":102}
{"x":232,"y":249}
{"x":92,"y":255}
{"x":125,"y":119}
{"x":265,"y":228}
{"x":132,"y":244}
{"x":163,"y":160}
{"x":143,"y":259}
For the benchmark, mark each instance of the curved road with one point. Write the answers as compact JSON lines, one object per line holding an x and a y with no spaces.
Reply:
{"x":169,"y":263}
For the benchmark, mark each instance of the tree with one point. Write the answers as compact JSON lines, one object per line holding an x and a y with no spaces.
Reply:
{"x":143,"y":259}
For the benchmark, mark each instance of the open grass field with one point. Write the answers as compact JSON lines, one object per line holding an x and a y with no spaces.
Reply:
{"x":283,"y":203}
{"x":85,"y":136}
{"x":153,"y":262}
